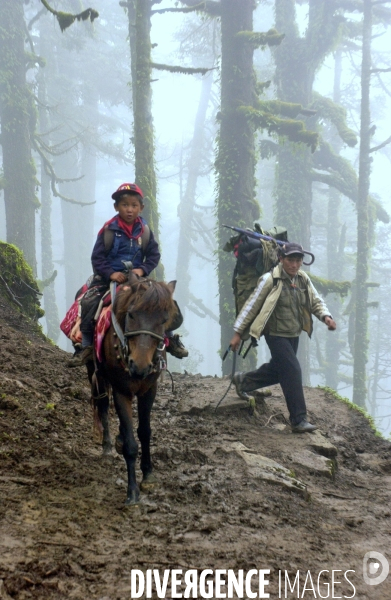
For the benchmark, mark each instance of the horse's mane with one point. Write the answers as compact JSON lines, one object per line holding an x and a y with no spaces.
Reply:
{"x":144,"y":296}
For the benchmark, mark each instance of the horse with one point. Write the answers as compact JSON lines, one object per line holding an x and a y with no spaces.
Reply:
{"x":131,"y":364}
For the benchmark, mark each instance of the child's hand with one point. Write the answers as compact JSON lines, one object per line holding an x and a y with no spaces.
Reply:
{"x":138,"y":272}
{"x":118,"y":277}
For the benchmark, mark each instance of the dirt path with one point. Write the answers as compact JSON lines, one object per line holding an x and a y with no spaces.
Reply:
{"x":64,"y":531}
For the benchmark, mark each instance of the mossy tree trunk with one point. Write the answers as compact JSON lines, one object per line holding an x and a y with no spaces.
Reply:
{"x":235,"y":161}
{"x":139,"y":14}
{"x":361,"y":309}
{"x":17,"y":127}
{"x":297,"y":60}
{"x":294,"y":78}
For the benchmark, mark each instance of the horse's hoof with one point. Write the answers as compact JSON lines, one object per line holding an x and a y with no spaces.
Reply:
{"x":133,"y":499}
{"x":149,"y":483}
{"x":119,"y":444}
{"x":106,"y":450}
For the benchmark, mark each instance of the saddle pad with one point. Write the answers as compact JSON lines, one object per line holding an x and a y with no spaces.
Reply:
{"x":73,"y":314}
{"x":102,"y":325}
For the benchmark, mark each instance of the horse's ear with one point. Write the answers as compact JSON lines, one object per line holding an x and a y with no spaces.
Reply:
{"x":171,"y":285}
{"x":132,"y":277}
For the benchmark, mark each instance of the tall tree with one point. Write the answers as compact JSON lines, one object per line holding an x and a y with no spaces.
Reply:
{"x":17,"y":126}
{"x":362,"y":264}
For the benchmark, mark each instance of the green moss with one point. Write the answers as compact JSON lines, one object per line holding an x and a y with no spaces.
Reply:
{"x":327,"y":109}
{"x":17,"y":282}
{"x":257,"y":39}
{"x":278,"y":107}
{"x":179,"y":69}
{"x":65,"y":20}
{"x":353,"y":406}
{"x":326,"y":286}
{"x":292,"y":129}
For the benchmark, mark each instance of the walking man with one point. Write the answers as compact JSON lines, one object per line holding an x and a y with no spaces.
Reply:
{"x":280,"y":308}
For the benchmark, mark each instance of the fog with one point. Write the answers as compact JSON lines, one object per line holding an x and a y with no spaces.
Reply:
{"x":93,"y":127}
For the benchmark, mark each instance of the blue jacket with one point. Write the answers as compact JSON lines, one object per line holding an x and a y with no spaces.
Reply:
{"x":124,"y":248}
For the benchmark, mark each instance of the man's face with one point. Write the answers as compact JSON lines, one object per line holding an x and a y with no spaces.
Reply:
{"x":129,"y":208}
{"x":292,"y":263}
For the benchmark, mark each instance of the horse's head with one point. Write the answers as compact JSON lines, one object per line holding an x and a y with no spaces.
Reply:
{"x":144,"y":310}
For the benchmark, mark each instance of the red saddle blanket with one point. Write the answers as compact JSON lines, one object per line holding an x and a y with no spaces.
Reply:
{"x":102,"y":325}
{"x":70,"y":325}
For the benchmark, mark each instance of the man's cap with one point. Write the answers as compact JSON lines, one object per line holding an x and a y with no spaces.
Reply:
{"x":292,"y":248}
{"x":127,"y":188}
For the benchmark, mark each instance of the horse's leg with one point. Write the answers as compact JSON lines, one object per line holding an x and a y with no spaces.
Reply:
{"x":144,"y":405}
{"x":123,"y":406}
{"x":101,"y":405}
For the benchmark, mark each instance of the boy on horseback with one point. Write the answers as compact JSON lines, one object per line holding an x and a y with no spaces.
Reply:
{"x":126,"y":237}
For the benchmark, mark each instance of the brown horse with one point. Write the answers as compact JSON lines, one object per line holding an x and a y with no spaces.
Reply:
{"x":132,"y":362}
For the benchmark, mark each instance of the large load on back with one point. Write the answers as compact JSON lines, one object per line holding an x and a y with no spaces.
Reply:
{"x":254,"y":258}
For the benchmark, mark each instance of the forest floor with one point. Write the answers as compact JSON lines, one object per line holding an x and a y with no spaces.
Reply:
{"x":64,"y":529}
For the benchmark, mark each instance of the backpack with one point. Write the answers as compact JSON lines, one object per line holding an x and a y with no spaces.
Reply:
{"x":254,"y":258}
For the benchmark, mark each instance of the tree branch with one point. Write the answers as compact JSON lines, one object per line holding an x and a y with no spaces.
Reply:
{"x":381,"y":70}
{"x":183,"y":70}
{"x":387,"y":141}
{"x":66,"y":19}
{"x":202,"y":306}
{"x":208,"y":6}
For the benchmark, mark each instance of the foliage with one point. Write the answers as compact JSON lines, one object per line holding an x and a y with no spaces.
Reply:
{"x":294,"y":130}
{"x":17,"y":282}
{"x":327,"y":109}
{"x":325,"y":286}
{"x":258,"y":39}
{"x":66,"y":19}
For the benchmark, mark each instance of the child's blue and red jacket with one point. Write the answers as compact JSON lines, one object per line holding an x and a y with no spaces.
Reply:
{"x":127,"y":245}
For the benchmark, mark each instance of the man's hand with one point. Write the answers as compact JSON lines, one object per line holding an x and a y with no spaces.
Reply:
{"x":235,"y":342}
{"x":331,"y":324}
{"x":118,"y":277}
{"x":138,"y":272}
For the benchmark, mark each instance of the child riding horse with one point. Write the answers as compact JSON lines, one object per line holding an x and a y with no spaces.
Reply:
{"x":131,"y":364}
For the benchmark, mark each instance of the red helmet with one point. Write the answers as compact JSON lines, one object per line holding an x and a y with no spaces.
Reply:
{"x":126,"y":188}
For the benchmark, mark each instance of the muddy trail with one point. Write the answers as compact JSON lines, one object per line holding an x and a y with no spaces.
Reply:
{"x":222,"y":502}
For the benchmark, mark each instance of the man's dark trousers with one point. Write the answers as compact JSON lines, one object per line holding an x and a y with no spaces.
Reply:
{"x":283,"y":368}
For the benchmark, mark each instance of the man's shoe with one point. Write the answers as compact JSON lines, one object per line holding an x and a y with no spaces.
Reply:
{"x":81,"y":358}
{"x":176,"y":348}
{"x":237,"y":381}
{"x":303,"y":427}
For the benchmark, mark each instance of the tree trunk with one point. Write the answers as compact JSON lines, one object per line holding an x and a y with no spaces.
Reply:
{"x":361,"y":311}
{"x":334,"y":253}
{"x":293,"y":187}
{"x":17,"y":127}
{"x":186,"y":207}
{"x":49,"y":295}
{"x":139,"y":14}
{"x":235,"y":161}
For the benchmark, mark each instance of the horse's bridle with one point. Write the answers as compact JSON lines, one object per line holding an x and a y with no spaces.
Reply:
{"x":124,"y":356}
{"x":159,"y":363}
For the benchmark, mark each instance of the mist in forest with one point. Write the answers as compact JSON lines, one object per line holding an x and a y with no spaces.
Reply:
{"x":308,"y":67}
